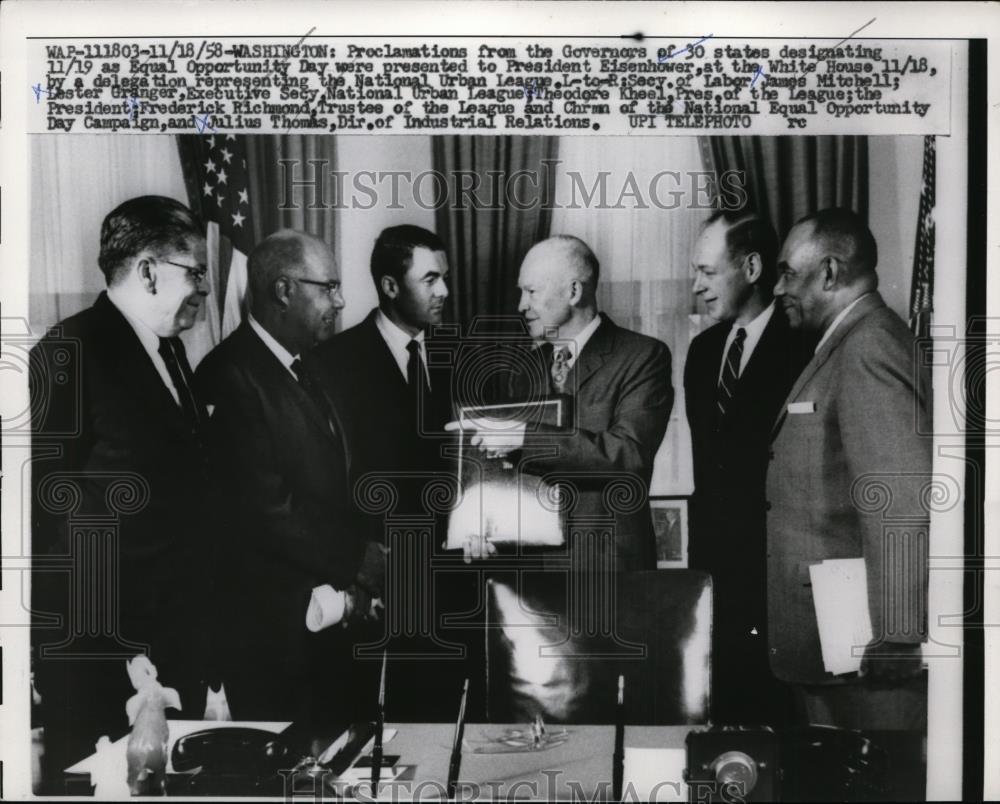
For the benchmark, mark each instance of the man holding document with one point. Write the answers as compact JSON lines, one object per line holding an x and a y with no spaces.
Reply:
{"x":850,"y":462}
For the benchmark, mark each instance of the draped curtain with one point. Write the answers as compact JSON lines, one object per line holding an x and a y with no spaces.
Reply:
{"x":485,"y":245}
{"x":788,"y":177}
{"x":642,"y":227}
{"x":75,"y":181}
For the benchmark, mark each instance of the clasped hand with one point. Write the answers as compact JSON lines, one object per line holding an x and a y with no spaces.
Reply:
{"x":495,"y":437}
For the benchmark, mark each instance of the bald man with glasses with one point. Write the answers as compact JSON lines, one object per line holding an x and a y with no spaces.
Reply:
{"x":294,"y":544}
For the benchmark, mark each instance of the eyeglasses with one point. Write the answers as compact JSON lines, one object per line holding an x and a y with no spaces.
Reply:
{"x":329,"y":288}
{"x":196,"y":272}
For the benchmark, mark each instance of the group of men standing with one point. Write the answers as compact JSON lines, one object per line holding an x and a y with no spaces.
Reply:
{"x":246,"y":559}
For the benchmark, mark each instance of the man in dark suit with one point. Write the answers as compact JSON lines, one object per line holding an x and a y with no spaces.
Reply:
{"x":294,"y":544}
{"x":736,"y":377}
{"x":621,"y":393}
{"x":119,"y":484}
{"x":398,"y":401}
{"x":849,"y":478}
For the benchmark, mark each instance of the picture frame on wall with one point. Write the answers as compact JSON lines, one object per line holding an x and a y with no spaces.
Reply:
{"x":670,"y":526}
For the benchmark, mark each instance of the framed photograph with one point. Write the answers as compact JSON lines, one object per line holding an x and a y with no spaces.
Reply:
{"x":497,"y":498}
{"x":670,"y":524}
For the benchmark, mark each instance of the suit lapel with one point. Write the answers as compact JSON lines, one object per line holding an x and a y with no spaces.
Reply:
{"x":867,"y":305}
{"x":277,"y":376}
{"x":593,"y":354}
{"x":134,"y":355}
{"x":383,"y":361}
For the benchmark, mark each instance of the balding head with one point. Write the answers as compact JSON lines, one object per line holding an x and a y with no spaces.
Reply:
{"x":558,"y":283}
{"x":295,"y":288}
{"x":827,"y":261}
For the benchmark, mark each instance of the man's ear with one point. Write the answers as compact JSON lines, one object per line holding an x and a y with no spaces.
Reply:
{"x":752,"y":267}
{"x":831,"y":268}
{"x":282,"y":288}
{"x":143,"y":267}
{"x":575,"y":292}
{"x":389,"y":285}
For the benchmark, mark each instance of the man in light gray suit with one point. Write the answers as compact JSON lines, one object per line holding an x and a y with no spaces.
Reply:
{"x":850,"y":465}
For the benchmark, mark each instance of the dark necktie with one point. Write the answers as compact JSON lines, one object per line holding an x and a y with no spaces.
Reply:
{"x":173,"y":354}
{"x":311,"y":386}
{"x":731,"y":372}
{"x":416,"y":380}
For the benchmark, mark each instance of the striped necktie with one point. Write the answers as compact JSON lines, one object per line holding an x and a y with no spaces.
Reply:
{"x":730,"y":372}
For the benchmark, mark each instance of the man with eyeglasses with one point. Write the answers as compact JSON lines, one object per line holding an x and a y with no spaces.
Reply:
{"x":118,"y":441}
{"x":294,"y":547}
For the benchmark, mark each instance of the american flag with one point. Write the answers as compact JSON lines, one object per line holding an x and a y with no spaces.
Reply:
{"x":215,"y":171}
{"x":922,"y":289}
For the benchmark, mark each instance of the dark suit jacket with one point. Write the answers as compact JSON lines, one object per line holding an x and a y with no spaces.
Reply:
{"x":110,"y":441}
{"x":394,"y":440}
{"x":850,"y":478}
{"x":731,"y":457}
{"x":622,"y":397}
{"x":291,"y":524}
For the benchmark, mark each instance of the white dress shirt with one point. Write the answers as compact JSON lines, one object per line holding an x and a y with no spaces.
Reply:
{"x":150,"y":340}
{"x":397,"y":340}
{"x":285,"y":357}
{"x":755,"y":329}
{"x":840,"y":317}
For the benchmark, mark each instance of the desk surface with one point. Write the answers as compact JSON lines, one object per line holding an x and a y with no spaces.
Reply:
{"x":582,"y":763}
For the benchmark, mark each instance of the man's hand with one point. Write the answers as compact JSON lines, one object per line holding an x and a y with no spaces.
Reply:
{"x":360,"y":606}
{"x":890,"y":663}
{"x":495,"y":437}
{"x":476,"y":546}
{"x":371,"y":573}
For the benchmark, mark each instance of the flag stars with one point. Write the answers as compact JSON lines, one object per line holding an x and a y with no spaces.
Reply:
{"x":210,"y":166}
{"x":227,"y":156}
{"x":231,"y":137}
{"x":238,"y":219}
{"x":222,"y":177}
{"x":211,"y":141}
{"x":208,"y":188}
{"x":220,"y":198}
{"x":244,"y":197}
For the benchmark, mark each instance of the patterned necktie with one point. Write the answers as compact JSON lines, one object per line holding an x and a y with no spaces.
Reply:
{"x":731,"y":372}
{"x":175,"y":358}
{"x":311,"y":386}
{"x":560,"y":368}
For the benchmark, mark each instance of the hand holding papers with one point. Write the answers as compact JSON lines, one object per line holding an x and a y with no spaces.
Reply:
{"x":495,"y":437}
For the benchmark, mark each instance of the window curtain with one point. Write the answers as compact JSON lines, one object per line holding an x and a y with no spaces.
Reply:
{"x":788,"y":177}
{"x":642,"y":227}
{"x":75,"y":182}
{"x":485,"y":246}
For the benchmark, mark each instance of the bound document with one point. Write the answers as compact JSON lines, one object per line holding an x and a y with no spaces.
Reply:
{"x":840,"y":594}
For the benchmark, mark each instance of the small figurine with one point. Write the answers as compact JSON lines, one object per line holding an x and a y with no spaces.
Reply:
{"x":147,"y":744}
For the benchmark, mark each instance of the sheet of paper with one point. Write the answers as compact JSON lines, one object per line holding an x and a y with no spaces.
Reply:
{"x":840,"y":594}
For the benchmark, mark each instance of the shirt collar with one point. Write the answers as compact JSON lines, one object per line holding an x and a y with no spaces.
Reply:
{"x":393,"y":334}
{"x":756,"y":327}
{"x":285,"y":357}
{"x":583,"y":336}
{"x":120,"y":299}
{"x":836,"y":321}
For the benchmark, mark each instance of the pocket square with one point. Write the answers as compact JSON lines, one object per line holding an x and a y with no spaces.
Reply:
{"x":801,"y":407}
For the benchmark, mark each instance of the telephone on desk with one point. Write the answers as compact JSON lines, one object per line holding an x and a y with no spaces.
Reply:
{"x":249,"y":761}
